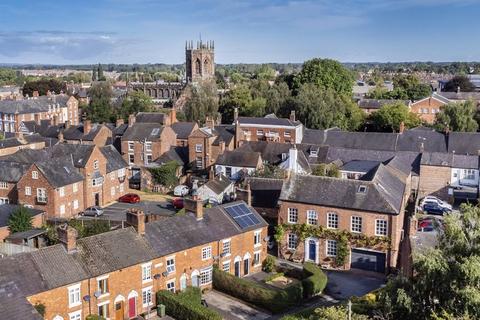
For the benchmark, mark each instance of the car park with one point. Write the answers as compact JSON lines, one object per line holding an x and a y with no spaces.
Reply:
{"x":434,"y":208}
{"x":435,"y":200}
{"x":93,"y":212}
{"x":181,"y":190}
{"x":130,"y":198}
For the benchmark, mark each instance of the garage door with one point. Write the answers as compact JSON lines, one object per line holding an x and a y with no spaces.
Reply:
{"x":368,"y":260}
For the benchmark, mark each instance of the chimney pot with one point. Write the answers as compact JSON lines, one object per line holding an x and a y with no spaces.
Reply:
{"x":68,"y":237}
{"x":136,"y":219}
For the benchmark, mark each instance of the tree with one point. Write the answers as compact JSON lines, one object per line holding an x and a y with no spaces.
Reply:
{"x":94,"y":74}
{"x":99,"y":109}
{"x":135,"y":102}
{"x":390,"y":117}
{"x":43,"y":86}
{"x":202,"y":102}
{"x":278,"y":98}
{"x":326,"y":74}
{"x":406,"y":87}
{"x":457,"y":117}
{"x":326,"y":170}
{"x":7,"y":77}
{"x":20,"y":220}
{"x":459,"y":82}
{"x":166,"y":175}
{"x":319,"y":108}
{"x":446,"y":279}
{"x":101,"y":77}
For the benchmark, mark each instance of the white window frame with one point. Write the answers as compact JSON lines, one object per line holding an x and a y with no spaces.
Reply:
{"x":356,"y":226}
{"x":146,"y":272}
{"x":259,"y":260}
{"x":170,"y":283}
{"x":292,"y":215}
{"x":75,"y":187}
{"x":227,"y":249}
{"x":62,"y":209}
{"x":378,"y":227}
{"x":121,"y":173}
{"x":257,"y":238}
{"x":170,"y":267}
{"x":147,"y":297}
{"x":226,"y":263}
{"x":75,"y":204}
{"x":205,"y":276}
{"x":28,"y":191}
{"x":103,"y":278}
{"x":148,"y":146}
{"x":75,"y":315}
{"x":103,"y":304}
{"x":131,"y":157}
{"x":260,"y":132}
{"x":332,"y":220}
{"x":3,"y":185}
{"x":61,"y":191}
{"x":131,"y":146}
{"x":292,"y":241}
{"x":198,"y":147}
{"x":35,"y":175}
{"x":312,"y":217}
{"x":74,"y":295}
{"x":331,"y":248}
{"x":95,"y":164}
{"x":206,"y":253}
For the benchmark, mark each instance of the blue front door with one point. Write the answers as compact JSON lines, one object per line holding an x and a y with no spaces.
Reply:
{"x":312,"y":250}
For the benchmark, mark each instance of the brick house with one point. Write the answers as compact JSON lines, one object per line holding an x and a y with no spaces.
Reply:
{"x":14,"y":112}
{"x":79,"y":277}
{"x":371,"y":105}
{"x":12,"y":145}
{"x":270,"y":128}
{"x":183,"y":130}
{"x":371,"y":208}
{"x":87,"y":133}
{"x":10,"y":173}
{"x":428,"y":107}
{"x":236,"y":164}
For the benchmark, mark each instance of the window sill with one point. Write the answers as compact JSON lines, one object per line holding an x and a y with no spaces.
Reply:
{"x":105,"y":295}
{"x":258,"y":245}
{"x":147,"y":281}
{"x":74,"y":305}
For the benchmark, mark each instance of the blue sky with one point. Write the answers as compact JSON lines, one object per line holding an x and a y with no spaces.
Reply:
{"x":250,"y":31}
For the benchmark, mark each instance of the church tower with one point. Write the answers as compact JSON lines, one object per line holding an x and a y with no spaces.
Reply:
{"x":200,"y":61}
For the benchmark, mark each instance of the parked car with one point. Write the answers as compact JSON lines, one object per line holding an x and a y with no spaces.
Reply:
{"x":181,"y":190}
{"x":93,"y":211}
{"x":130,"y":198}
{"x":434,"y":208}
{"x":432,"y":199}
{"x":177,"y":203}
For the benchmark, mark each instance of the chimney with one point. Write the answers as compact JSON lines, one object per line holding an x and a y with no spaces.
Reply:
{"x":55,"y":120}
{"x":238,"y":133}
{"x":222,"y":146}
{"x":245,"y":194}
{"x":292,"y":115}
{"x":36,"y":117}
{"x":35,"y":94}
{"x":131,"y":120}
{"x":68,"y":237}
{"x":119,"y":122}
{"x":49,"y":93}
{"x":292,"y":159}
{"x":211,"y":173}
{"x":195,"y":205}
{"x":67,"y":124}
{"x":210,"y":122}
{"x":413,"y":222}
{"x":173,"y":116}
{"x":87,"y":126}
{"x":136,"y":219}
{"x":60,"y":136}
{"x":402,"y":127}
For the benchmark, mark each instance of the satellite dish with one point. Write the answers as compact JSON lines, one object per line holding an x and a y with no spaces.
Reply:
{"x":97,"y":294}
{"x":86,"y":298}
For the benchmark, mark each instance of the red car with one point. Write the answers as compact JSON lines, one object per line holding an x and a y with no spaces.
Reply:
{"x":130,"y":198}
{"x":177,"y":203}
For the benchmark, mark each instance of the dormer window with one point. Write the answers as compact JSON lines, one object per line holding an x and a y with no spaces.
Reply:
{"x":284,"y":156}
{"x":362,"y":189}
{"x":313,"y":153}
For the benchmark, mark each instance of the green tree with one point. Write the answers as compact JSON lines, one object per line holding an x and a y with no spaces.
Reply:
{"x":326,"y":74}
{"x":43,"y":86}
{"x":94,"y":74}
{"x":390,"y":117}
{"x":99,"y":109}
{"x":135,"y":102}
{"x":278,"y":98}
{"x":101,"y":77}
{"x":202,"y":102}
{"x":20,"y":220}
{"x":166,"y":175}
{"x":457,"y":117}
{"x":326,"y":170}
{"x":459,"y":82}
{"x":319,"y":108}
{"x":8,"y":77}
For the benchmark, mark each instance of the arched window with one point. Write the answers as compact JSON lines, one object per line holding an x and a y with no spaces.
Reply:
{"x":206,"y":65}
{"x":198,"y":66}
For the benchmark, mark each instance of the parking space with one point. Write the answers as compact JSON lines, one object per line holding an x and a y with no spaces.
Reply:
{"x":117,"y":211}
{"x":342,"y":285}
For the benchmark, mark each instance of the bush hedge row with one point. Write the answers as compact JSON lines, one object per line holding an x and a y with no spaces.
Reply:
{"x":185,"y":306}
{"x":269,"y":299}
{"x":314,"y":280}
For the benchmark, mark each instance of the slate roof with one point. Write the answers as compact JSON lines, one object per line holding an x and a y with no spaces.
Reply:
{"x":26,"y":234}
{"x":117,"y":131}
{"x":269,"y":121}
{"x":219,"y":184}
{"x":115,"y":160}
{"x":45,"y":128}
{"x":179,"y":233}
{"x":6,"y":210}
{"x":359,"y":165}
{"x":151,"y":117}
{"x":59,"y":172}
{"x":183,"y":129}
{"x":421,"y":139}
{"x":141,"y":131}
{"x":12,"y":171}
{"x":239,"y":159}
{"x":379,"y":103}
{"x":26,"y":156}
{"x":80,"y":153}
{"x":464,"y":143}
{"x":39,"y":104}
{"x":460,"y":95}
{"x":224,"y":133}
{"x":265,"y":191}
{"x":178,"y":154}
{"x":450,"y":160}
{"x":384,"y":193}
{"x":77,"y":132}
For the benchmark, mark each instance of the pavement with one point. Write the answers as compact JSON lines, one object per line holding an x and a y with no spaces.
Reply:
{"x":342,"y":285}
{"x":232,"y":309}
{"x":117,"y":210}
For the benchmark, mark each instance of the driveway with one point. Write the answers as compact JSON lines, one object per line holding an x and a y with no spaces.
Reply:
{"x":344,"y":284}
{"x":232,"y":309}
{"x":117,"y":211}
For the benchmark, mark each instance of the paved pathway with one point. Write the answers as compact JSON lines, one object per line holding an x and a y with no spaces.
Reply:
{"x":232,"y":309}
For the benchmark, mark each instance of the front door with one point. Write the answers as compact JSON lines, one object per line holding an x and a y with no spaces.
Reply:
{"x":119,"y":310}
{"x":183,"y":282}
{"x":237,"y":268}
{"x":97,"y":199}
{"x":312,"y":250}
{"x":195,"y":280}
{"x":132,"y":307}
{"x":246,"y":266}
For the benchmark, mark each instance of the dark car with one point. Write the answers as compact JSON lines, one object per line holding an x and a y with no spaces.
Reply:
{"x":433,"y":208}
{"x":177,"y":203}
{"x":130,"y":198}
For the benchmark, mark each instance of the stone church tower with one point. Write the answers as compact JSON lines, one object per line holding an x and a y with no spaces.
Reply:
{"x":200,"y":62}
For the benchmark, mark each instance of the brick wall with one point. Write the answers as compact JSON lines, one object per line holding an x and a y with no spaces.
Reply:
{"x":260,"y":134}
{"x":426,"y":109}
{"x":434,"y":181}
{"x":9,"y":193}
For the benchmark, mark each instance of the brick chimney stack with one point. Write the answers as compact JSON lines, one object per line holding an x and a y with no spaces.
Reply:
{"x":67,"y":124}
{"x":136,"y":219}
{"x":292,"y":115}
{"x":195,"y":205}
{"x":68,"y":237}
{"x":119,"y":122}
{"x":235,"y":114}
{"x":87,"y":126}
{"x":131,"y":120}
{"x":173,"y":116}
{"x":60,"y":136}
{"x":55,"y":120}
{"x":37,"y":118}
{"x":210,"y":123}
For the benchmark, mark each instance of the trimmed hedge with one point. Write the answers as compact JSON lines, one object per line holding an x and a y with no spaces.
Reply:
{"x":186,"y":305}
{"x":273,"y":300}
{"x":314,"y":279}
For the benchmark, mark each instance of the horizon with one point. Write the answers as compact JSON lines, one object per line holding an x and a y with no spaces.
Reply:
{"x":245,"y":32}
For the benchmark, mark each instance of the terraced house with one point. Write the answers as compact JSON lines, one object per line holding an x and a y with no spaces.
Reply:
{"x":116,"y":274}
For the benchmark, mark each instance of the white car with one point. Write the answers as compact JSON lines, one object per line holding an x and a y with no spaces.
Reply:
{"x":432,"y":199}
{"x":181,"y":190}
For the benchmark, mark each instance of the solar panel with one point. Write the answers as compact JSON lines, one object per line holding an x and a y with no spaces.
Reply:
{"x":242,"y":215}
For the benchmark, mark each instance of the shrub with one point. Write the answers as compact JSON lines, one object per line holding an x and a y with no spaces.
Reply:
{"x":268,"y":265}
{"x":186,"y":305}
{"x":314,"y":281}
{"x":270,"y":299}
{"x":273,"y":276}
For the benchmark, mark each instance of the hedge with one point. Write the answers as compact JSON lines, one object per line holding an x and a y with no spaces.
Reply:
{"x":270,"y":299}
{"x":185,"y":306}
{"x":314,"y":279}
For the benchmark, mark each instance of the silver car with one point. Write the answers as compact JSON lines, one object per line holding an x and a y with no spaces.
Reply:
{"x":93,"y":212}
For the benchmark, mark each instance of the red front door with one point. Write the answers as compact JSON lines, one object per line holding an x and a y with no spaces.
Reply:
{"x":132,"y":307}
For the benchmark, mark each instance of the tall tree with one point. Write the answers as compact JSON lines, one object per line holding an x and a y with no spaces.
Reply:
{"x":135,"y":102}
{"x":459,"y":82}
{"x":458,"y":117}
{"x":43,"y":86}
{"x":391,"y":116}
{"x":100,"y":109}
{"x":326,"y":74}
{"x":94,"y":73}
{"x":20,"y":220}
{"x":101,"y":77}
{"x":202,"y":102}
{"x":319,"y":108}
